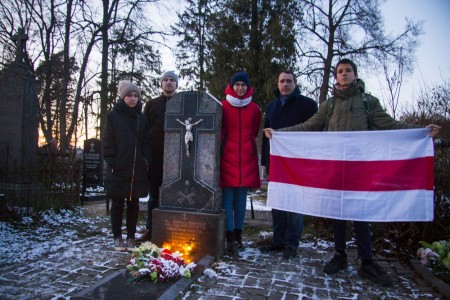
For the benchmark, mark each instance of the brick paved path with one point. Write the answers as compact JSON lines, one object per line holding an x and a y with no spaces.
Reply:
{"x":81,"y":263}
{"x":269,"y":276}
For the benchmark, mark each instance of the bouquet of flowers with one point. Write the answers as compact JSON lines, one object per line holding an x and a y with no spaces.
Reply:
{"x":437,"y":256}
{"x":158,"y":264}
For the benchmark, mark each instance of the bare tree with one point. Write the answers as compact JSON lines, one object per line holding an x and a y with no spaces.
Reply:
{"x":64,"y":136}
{"x":121,"y":17}
{"x":332,"y":29}
{"x":393,"y":74}
{"x":63,"y":37}
{"x":434,"y":103}
{"x":42,"y":19}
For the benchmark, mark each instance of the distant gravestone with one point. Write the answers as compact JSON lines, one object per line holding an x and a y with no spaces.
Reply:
{"x":189,"y":218}
{"x":92,"y":165}
{"x":20,"y":110}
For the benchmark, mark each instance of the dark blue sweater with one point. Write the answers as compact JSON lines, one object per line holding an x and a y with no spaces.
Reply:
{"x":297,"y":109}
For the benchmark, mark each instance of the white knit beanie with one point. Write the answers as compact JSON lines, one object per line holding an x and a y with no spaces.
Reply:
{"x":169,"y":74}
{"x":125,"y":87}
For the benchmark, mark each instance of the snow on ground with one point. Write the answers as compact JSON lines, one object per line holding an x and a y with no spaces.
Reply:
{"x":27,"y":241}
{"x":62,"y":237}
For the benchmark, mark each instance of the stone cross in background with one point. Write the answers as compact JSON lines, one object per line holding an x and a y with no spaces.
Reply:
{"x":20,"y":111}
{"x":189,"y":218}
{"x":20,"y":39}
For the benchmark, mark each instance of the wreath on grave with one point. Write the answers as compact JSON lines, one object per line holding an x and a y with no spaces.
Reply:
{"x":148,"y":261}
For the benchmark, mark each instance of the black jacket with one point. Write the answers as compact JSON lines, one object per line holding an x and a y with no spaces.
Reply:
{"x":297,"y":109}
{"x":155,"y":110}
{"x":126,"y":150}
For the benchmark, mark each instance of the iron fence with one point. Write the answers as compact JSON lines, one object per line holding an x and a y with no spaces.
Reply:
{"x":50,"y":181}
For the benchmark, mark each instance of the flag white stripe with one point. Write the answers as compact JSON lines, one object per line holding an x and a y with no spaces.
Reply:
{"x":408,"y":206}
{"x":353,"y":145}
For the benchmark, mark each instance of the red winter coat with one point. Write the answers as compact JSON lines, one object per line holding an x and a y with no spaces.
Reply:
{"x":238,"y":152}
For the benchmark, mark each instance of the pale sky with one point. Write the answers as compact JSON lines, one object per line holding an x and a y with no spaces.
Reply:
{"x":432,"y":66}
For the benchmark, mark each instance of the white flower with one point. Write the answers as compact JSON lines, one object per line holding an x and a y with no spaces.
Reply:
{"x":425,"y":254}
{"x":144,"y":271}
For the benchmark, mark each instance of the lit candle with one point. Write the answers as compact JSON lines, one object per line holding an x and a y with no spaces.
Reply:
{"x":188,"y":248}
{"x":167,"y":246}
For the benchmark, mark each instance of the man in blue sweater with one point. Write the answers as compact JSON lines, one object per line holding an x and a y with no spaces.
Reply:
{"x":288,"y":109}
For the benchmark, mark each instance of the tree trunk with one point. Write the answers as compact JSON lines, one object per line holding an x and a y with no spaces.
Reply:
{"x":64,"y":138}
{"x":104,"y":70}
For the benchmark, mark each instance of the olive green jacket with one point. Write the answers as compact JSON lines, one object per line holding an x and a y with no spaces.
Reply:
{"x":349,"y":114}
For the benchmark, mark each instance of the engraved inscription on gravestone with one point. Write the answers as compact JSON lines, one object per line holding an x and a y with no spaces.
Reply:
{"x":192,"y":233}
{"x":92,"y":163}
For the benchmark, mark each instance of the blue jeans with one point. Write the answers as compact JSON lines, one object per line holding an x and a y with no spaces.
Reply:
{"x":362,"y":236}
{"x":287,"y":228}
{"x":234,"y":201}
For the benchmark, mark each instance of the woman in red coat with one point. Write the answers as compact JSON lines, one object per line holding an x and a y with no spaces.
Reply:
{"x":239,"y":158}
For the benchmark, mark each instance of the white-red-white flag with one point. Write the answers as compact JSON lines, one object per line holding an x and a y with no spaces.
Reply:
{"x":359,"y":175}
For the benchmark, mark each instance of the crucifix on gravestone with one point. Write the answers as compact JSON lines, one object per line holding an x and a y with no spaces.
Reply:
{"x":188,"y":137}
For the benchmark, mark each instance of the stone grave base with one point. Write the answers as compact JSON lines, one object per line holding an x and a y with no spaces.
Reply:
{"x":121,"y":285}
{"x":192,"y":233}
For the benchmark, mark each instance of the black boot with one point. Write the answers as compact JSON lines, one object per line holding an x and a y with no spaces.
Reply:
{"x":238,"y":238}
{"x":231,"y":247}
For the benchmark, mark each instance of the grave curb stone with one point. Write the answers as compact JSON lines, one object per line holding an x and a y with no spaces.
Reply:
{"x":429,"y":276}
{"x":175,"y":289}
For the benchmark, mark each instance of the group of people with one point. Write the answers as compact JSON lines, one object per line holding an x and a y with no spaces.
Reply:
{"x":134,"y":149}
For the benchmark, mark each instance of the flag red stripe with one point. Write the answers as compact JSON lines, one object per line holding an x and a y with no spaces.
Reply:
{"x":391,"y":175}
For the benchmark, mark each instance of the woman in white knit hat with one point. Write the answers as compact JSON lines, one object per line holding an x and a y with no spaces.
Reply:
{"x":126,"y":149}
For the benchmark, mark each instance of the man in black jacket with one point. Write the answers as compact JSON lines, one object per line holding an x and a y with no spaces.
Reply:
{"x":288,"y":109}
{"x":155,"y":110}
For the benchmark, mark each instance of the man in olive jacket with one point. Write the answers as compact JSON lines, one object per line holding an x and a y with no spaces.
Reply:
{"x":348,"y":111}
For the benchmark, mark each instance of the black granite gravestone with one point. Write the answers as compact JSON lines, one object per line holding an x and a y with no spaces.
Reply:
{"x":92,"y":167}
{"x":189,"y":219}
{"x":191,"y":153}
{"x":19,"y":107}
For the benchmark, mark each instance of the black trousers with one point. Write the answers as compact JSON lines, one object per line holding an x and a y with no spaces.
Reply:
{"x":155,"y":177}
{"x":117,"y":216}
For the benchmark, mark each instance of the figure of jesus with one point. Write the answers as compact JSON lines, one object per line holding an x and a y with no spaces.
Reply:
{"x":188,"y":137}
